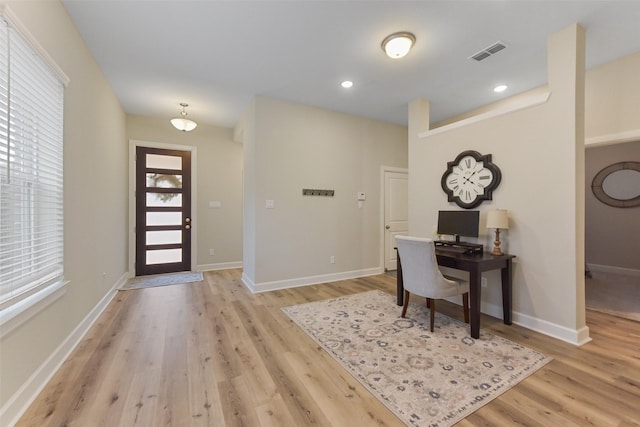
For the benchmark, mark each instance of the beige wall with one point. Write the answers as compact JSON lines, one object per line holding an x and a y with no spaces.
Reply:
{"x":611,"y":233}
{"x":539,"y":153}
{"x":218,"y":178}
{"x":95,"y":206}
{"x":296,"y":147}
{"x":612,"y":92}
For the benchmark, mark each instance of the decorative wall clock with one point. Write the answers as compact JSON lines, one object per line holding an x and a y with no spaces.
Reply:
{"x":470,"y":179}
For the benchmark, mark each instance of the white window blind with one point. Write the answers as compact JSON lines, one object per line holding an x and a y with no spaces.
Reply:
{"x":31,"y":161}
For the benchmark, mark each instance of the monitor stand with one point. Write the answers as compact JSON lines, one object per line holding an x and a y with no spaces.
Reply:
{"x":467,"y":248}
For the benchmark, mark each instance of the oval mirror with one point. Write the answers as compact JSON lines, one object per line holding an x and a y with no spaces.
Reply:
{"x":618,"y":185}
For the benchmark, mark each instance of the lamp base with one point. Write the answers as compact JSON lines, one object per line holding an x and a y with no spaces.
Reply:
{"x":496,"y":244}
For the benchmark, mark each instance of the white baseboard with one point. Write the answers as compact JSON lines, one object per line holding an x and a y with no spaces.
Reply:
{"x":615,"y":270}
{"x":571,"y":336}
{"x":17,"y":404}
{"x":309,"y":280}
{"x":248,"y":282}
{"x":576,"y":337}
{"x":219,"y":266}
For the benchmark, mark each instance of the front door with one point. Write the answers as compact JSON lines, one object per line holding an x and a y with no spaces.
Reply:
{"x":163,"y":211}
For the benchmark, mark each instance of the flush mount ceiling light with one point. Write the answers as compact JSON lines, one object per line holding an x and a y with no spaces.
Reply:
{"x":182,"y":123}
{"x":397,"y":45}
{"x":500,"y":88}
{"x":346,"y":84}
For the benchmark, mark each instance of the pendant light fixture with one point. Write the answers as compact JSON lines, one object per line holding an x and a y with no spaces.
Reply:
{"x":182,"y":123}
{"x":398,"y":44}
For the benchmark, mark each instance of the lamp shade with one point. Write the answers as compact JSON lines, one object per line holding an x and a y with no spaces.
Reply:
{"x":183,"y":124}
{"x":498,"y":218}
{"x":398,"y":45}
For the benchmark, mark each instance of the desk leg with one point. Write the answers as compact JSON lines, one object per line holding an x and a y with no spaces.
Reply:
{"x":399,"y":282}
{"x":506,"y":274}
{"x":474,"y":302}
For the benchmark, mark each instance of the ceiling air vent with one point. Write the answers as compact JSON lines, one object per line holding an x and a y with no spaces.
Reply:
{"x":488,"y":51}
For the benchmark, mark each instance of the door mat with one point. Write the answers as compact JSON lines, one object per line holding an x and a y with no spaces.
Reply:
{"x":162,"y":280}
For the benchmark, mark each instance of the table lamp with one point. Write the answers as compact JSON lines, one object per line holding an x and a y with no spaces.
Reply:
{"x":498,"y":219}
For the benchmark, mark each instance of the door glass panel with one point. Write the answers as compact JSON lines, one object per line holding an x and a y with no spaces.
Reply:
{"x":164,"y":237}
{"x":164,"y":181}
{"x":158,"y":161}
{"x":163,"y":256}
{"x":164,"y":218}
{"x":164,"y":199}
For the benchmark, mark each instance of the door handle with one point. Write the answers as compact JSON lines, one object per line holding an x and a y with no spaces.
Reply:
{"x":387,"y":227}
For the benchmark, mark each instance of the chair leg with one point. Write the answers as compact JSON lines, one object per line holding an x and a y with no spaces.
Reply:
{"x":465,"y":306}
{"x":406,"y":302}
{"x":428,"y":302}
{"x":433,"y":312}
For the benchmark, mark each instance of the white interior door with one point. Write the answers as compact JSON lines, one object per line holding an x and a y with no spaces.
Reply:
{"x":396,"y":214}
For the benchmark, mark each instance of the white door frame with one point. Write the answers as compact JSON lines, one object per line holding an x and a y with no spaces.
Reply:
{"x":132,"y":198}
{"x":383,"y":170}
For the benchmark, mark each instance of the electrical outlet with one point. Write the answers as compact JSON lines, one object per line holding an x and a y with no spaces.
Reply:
{"x":332,"y":259}
{"x":483,"y":282}
{"x":212,"y":252}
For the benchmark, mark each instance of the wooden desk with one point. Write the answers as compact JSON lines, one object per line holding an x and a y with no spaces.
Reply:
{"x":475,"y":265}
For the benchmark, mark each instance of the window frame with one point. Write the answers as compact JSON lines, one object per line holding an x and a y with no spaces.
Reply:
{"x":17,"y":311}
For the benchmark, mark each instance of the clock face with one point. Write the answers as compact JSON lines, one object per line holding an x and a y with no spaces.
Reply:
{"x":470,"y":179}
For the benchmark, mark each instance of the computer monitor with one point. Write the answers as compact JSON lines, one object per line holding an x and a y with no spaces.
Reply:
{"x":458,"y":223}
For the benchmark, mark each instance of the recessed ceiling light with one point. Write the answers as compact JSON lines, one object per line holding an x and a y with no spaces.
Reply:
{"x":346,"y":84}
{"x":500,"y":88}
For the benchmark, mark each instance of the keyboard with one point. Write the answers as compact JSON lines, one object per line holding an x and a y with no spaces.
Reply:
{"x":451,"y":249}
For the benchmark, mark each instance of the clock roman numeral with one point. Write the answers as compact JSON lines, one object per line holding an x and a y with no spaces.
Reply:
{"x":485,"y":177}
{"x":468,"y":163}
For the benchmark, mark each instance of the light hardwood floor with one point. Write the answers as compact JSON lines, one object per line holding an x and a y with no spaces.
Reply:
{"x":213,"y":354}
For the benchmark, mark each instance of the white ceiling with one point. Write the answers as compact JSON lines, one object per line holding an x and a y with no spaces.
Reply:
{"x":218,"y":55}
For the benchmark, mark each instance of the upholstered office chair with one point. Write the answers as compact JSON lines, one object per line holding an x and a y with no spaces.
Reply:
{"x":422,"y":276}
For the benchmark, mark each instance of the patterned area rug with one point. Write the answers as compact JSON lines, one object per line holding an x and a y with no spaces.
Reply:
{"x":426,"y":379}
{"x":162,"y":280}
